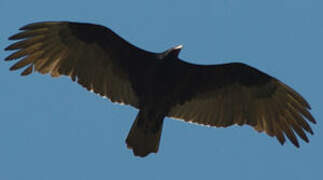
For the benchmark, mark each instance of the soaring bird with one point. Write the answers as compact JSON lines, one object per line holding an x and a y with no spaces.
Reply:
{"x":161,"y":85}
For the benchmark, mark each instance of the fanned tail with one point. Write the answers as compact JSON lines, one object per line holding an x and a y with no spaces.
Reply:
{"x":144,"y":135}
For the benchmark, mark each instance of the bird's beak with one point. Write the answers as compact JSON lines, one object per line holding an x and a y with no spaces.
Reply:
{"x":178,"y":47}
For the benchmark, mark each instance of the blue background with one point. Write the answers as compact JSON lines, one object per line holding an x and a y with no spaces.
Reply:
{"x":54,"y":129}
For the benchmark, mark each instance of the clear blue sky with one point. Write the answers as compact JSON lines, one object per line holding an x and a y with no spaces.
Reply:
{"x":54,"y":129}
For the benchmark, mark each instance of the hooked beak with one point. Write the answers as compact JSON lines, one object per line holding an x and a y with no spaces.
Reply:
{"x":178,"y":47}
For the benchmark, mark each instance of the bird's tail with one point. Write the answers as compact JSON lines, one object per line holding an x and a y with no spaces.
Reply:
{"x":144,"y":135}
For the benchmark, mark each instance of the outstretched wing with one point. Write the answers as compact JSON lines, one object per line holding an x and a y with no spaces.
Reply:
{"x":227,"y":94}
{"x":92,"y":55}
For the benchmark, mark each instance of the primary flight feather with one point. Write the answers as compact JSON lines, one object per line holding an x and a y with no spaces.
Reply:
{"x":160,"y":84}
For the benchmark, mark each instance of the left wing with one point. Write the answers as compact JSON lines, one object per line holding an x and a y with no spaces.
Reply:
{"x":227,"y":94}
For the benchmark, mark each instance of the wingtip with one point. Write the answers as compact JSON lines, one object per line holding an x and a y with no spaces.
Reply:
{"x":7,"y":49}
{"x":36,"y":25}
{"x":7,"y":58}
{"x":296,"y":144}
{"x":13,"y":37}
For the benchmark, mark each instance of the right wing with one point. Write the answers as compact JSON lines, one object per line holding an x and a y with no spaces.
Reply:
{"x":93,"y":55}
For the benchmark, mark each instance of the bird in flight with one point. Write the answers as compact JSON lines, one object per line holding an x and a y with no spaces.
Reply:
{"x":161,"y":85}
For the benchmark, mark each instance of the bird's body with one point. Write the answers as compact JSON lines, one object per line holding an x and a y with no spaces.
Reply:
{"x":160,"y":84}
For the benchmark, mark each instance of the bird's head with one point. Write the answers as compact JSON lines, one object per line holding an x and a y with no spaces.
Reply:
{"x":172,"y":52}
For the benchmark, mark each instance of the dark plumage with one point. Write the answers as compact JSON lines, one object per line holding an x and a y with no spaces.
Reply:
{"x":160,"y":84}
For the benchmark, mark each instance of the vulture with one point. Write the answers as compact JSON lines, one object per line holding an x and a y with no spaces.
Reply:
{"x":161,"y":85}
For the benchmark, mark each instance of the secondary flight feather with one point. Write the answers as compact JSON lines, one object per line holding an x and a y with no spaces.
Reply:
{"x":161,"y":85}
